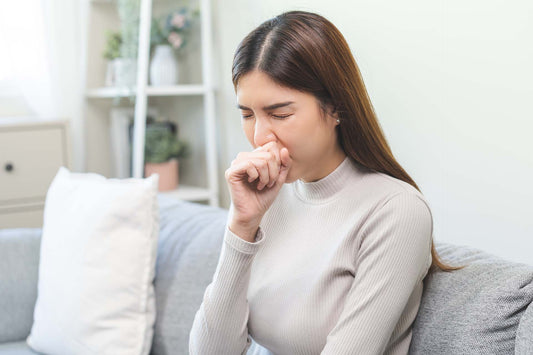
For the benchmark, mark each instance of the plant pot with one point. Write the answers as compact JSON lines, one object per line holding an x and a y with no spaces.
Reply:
{"x":168,"y":174}
{"x":164,"y":67}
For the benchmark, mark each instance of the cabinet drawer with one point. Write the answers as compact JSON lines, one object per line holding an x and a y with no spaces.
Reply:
{"x":36,"y":155}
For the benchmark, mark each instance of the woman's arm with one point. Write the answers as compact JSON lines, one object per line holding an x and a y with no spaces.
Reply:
{"x":254,"y":180}
{"x":394,"y":256}
{"x":220,"y":325}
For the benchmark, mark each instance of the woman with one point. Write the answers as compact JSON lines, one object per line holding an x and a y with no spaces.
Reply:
{"x":328,"y":239}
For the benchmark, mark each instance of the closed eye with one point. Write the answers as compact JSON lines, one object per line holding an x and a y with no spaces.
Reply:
{"x":281,"y":117}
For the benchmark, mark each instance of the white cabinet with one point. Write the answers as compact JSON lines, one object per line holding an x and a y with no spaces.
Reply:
{"x":190,"y":104}
{"x":31,"y":152}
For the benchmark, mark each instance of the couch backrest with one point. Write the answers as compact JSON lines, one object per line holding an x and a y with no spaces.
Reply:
{"x":190,"y":241}
{"x":476,"y":310}
{"x":480,"y":309}
{"x":19,"y":267}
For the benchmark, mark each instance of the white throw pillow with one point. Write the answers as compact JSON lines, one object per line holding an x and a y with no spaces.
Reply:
{"x":97,"y":266}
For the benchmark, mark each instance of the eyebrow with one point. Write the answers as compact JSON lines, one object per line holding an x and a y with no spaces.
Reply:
{"x":269,"y":107}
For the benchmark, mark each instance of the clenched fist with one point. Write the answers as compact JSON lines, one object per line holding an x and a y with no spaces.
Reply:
{"x":254,"y":180}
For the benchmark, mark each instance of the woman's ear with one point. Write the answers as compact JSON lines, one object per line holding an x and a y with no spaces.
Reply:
{"x":333,"y":113}
{"x":330,"y":112}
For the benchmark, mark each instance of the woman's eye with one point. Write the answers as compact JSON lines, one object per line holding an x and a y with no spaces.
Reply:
{"x":281,"y":116}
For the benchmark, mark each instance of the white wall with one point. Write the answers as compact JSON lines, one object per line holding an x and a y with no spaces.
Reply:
{"x":452,"y":83}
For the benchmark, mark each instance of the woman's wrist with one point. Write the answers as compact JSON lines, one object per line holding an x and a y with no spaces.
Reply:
{"x":244,"y":230}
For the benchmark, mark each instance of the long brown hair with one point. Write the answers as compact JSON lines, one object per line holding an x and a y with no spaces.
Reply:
{"x":306,"y":52}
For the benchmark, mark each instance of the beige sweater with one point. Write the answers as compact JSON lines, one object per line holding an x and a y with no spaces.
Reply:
{"x":336,"y":268}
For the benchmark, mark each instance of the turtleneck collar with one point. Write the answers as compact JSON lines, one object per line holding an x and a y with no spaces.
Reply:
{"x":326,"y":188}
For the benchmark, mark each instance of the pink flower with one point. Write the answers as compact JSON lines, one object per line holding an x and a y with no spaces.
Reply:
{"x":178,"y":20}
{"x":175,"y":39}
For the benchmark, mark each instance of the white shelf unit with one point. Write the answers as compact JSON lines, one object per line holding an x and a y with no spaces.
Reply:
{"x":192,"y":101}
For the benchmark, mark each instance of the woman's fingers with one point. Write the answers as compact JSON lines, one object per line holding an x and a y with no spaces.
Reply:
{"x":262,"y":168}
{"x":285,"y":157}
{"x":286,"y":163}
{"x":264,"y":163}
{"x":251,"y":171}
{"x":273,"y":159}
{"x":267,"y":171}
{"x":276,"y":165}
{"x":273,"y":170}
{"x":239,"y":170}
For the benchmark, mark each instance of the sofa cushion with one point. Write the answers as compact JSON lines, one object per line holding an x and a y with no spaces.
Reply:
{"x":19,"y":265}
{"x":475,"y":310}
{"x":190,"y":241}
{"x":97,"y":266}
{"x":524,"y":335}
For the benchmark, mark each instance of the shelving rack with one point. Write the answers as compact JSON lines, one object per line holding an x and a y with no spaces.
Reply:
{"x":101,"y":15}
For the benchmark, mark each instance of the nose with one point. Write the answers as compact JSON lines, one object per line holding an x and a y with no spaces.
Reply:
{"x":263,"y":132}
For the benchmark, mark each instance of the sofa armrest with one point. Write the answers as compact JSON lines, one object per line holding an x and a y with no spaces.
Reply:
{"x":19,"y":267}
{"x":481,"y":307}
{"x":524,"y":334}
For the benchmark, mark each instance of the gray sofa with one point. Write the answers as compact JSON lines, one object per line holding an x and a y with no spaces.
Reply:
{"x":482,"y":309}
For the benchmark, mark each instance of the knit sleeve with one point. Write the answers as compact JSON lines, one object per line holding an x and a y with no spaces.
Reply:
{"x":393,"y":257}
{"x":220,"y":324}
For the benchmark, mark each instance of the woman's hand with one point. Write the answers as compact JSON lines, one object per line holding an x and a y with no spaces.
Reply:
{"x":254,"y":180}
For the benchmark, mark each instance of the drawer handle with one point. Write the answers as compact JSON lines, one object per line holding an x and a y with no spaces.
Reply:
{"x":9,"y":167}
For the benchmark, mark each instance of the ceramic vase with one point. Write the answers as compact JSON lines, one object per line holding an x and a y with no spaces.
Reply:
{"x":164,"y":67}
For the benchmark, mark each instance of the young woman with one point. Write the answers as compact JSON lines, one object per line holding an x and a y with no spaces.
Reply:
{"x":328,"y":239}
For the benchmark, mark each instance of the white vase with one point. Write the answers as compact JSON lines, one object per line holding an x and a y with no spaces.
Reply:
{"x":125,"y":70}
{"x":164,"y":67}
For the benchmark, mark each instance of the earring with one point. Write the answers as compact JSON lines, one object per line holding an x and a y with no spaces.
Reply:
{"x":338,"y":121}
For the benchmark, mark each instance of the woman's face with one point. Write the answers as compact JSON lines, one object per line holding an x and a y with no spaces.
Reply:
{"x":293,"y":119}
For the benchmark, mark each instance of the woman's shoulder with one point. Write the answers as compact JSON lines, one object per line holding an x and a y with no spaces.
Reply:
{"x":380,"y":188}
{"x":394,"y":186}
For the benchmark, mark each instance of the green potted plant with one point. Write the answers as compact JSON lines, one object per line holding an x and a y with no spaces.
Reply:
{"x":161,"y":153}
{"x":111,"y":53}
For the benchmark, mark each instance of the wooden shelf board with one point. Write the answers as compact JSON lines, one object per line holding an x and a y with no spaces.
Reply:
{"x":173,"y":90}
